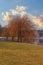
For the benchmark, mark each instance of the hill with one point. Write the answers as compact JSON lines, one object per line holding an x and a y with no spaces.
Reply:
{"x":20,"y":54}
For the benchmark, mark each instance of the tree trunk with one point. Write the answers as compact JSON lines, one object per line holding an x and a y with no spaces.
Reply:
{"x":19,"y":32}
{"x":7,"y":38}
{"x":12,"y":38}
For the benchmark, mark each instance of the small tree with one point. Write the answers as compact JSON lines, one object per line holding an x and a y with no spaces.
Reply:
{"x":0,"y":30}
{"x":5,"y":33}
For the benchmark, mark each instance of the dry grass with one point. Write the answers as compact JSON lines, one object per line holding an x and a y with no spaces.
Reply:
{"x":20,"y":54}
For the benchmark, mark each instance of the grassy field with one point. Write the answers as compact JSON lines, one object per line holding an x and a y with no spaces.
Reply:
{"x":20,"y":54}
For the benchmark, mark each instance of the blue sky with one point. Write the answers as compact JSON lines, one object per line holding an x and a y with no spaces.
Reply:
{"x":34,"y":7}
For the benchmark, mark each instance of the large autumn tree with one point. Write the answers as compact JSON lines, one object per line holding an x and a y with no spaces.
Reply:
{"x":22,"y":28}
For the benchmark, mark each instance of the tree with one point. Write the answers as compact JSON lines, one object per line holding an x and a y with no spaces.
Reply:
{"x":5,"y":33}
{"x":22,"y":29}
{"x":0,"y":30}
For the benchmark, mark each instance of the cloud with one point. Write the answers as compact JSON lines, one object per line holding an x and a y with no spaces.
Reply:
{"x":14,"y":12}
{"x":6,"y":17}
{"x":21,"y":10}
{"x":2,"y":13}
{"x":38,"y":21}
{"x":41,"y":15}
{"x":23,"y":13}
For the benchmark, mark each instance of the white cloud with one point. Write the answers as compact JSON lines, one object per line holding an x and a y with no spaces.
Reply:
{"x":6,"y":17}
{"x":41,"y":15}
{"x":23,"y":13}
{"x":14,"y":12}
{"x":37,"y":20}
{"x":20,"y":8}
{"x":2,"y":13}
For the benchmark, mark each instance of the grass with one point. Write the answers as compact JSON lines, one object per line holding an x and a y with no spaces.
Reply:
{"x":12,"y":53}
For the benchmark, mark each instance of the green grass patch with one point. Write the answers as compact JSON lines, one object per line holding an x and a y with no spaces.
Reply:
{"x":12,"y":53}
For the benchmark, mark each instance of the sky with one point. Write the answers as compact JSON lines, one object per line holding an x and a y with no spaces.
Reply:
{"x":33,"y":8}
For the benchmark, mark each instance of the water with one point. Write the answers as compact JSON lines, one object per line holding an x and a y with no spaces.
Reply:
{"x":41,"y":41}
